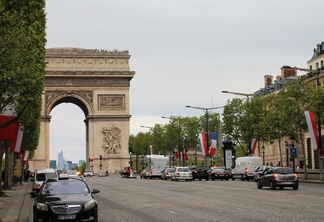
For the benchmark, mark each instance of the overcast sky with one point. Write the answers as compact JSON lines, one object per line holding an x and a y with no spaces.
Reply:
{"x":184,"y":52}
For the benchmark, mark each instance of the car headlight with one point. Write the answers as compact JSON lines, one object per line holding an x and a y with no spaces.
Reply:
{"x":89,"y":205}
{"x":42,"y":207}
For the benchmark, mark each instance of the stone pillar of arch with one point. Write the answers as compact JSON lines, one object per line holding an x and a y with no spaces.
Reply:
{"x":98,"y":82}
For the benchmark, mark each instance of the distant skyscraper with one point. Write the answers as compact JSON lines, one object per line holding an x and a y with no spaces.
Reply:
{"x":81,"y":162}
{"x":62,"y":164}
{"x":52,"y":164}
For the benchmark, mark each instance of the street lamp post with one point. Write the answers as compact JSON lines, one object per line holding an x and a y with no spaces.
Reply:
{"x":207,"y":139}
{"x":317,"y":73}
{"x":247,"y":95}
{"x":287,"y":152}
{"x":263,"y":148}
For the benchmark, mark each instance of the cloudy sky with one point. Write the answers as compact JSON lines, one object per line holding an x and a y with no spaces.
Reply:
{"x":184,"y":52}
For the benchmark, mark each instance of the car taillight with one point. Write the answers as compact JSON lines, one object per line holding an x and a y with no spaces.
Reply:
{"x":177,"y":173}
{"x":226,"y":174}
{"x":190,"y":173}
{"x":275,"y":176}
{"x":246,"y":170}
{"x":296,"y":176}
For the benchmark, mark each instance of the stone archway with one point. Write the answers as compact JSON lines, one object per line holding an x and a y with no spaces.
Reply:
{"x":98,"y":82}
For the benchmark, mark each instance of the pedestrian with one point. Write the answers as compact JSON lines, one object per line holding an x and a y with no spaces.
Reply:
{"x":128,"y":172}
{"x":26,"y":175}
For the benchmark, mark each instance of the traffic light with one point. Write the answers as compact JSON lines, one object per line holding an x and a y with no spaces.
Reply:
{"x":130,"y":150}
{"x":91,"y":159}
{"x":233,"y":153}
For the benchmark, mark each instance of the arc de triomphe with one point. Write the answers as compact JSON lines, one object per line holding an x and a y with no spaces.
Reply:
{"x":98,"y":82}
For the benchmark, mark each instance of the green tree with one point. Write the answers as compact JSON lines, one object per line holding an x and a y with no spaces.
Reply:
{"x":22,"y":67}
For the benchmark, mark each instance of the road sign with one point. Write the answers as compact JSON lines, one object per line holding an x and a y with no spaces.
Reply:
{"x":321,"y":154}
{"x":293,"y":152}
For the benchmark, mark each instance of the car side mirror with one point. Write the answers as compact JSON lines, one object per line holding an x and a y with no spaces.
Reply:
{"x":95,"y":191}
{"x":34,"y":194}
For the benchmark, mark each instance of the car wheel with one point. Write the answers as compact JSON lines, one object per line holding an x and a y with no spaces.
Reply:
{"x":221,"y":179}
{"x":295,"y":187}
{"x":227,"y":179}
{"x":272,"y":186}
{"x":199,"y":179}
{"x":35,"y":217}
{"x":207,"y":179}
{"x":176,"y":179}
{"x":242,"y":178}
{"x":212,"y":178}
{"x":191,"y":180}
{"x":281,"y":188}
{"x":259,"y":184}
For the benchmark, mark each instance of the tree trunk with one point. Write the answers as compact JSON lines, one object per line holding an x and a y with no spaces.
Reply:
{"x":7,"y":167}
{"x":2,"y":144}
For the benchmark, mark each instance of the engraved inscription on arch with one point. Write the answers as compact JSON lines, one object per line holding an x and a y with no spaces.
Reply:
{"x":69,"y":81}
{"x":111,"y":102}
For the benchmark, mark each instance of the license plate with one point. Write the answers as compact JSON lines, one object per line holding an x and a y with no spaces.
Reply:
{"x":66,"y":217}
{"x":287,"y":182}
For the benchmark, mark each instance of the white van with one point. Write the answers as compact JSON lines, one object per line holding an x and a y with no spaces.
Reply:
{"x":40,"y":175}
{"x":245,"y":167}
{"x":154,"y":164}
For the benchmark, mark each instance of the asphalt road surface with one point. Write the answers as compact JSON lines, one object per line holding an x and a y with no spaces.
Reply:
{"x":150,"y":200}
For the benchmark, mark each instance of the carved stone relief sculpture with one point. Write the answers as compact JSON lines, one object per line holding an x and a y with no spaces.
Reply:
{"x":111,"y":140}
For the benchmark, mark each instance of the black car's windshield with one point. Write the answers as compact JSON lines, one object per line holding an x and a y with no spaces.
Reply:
{"x":284,"y":171}
{"x":64,"y":187}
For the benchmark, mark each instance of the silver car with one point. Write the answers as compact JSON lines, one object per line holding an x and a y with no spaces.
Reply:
{"x":166,"y":173}
{"x":181,"y":173}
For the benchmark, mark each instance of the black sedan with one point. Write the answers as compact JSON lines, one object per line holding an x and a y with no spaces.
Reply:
{"x":200,"y":172}
{"x":278,"y":177}
{"x":65,"y":199}
{"x":219,"y":173}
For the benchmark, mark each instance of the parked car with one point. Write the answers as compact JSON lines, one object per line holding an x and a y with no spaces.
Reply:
{"x":88,"y":173}
{"x":181,"y":173}
{"x":281,"y":177}
{"x":258,"y":171}
{"x":219,"y":173}
{"x":200,"y":172}
{"x":67,"y":198}
{"x":166,"y":173}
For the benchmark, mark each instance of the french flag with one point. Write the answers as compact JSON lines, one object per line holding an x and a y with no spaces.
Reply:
{"x":16,"y":143}
{"x":213,"y":147}
{"x":25,"y":157}
{"x":203,"y":144}
{"x":253,"y":145}
{"x":311,"y":123}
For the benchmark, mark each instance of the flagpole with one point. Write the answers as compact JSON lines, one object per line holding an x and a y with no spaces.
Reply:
{"x":206,"y":133}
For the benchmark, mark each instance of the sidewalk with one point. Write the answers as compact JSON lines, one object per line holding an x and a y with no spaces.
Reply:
{"x":14,"y":206}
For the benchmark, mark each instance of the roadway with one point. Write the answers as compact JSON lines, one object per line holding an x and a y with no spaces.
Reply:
{"x":150,"y":200}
